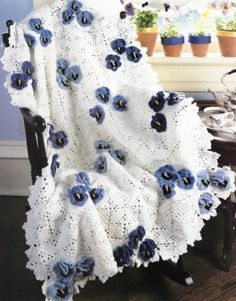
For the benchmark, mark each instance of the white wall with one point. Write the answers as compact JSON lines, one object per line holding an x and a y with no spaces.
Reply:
{"x":38,"y":3}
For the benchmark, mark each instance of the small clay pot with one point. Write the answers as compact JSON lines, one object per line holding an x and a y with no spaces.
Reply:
{"x":172,"y":46}
{"x":227,"y":43}
{"x":199,"y":44}
{"x":147,"y":37}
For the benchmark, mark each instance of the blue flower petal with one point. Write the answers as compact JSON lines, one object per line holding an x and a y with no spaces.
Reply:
{"x":159,"y":122}
{"x":63,"y":82}
{"x":119,"y":156}
{"x":64,"y":269}
{"x":100,"y":164}
{"x":73,"y":74}
{"x":133,"y":54}
{"x":220,"y":180}
{"x":84,"y":268}
{"x":35,"y":24}
{"x":84,"y":18}
{"x":135,"y":237}
{"x":45,"y":37}
{"x":58,"y":139}
{"x":130,"y":9}
{"x":78,"y":195}
{"x":101,"y":146}
{"x":206,"y":203}
{"x":28,"y":69}
{"x":175,"y":98}
{"x":203,"y":180}
{"x":67,"y":16}
{"x":166,"y":174}
{"x":119,"y":46}
{"x":147,"y":249}
{"x":83,"y":178}
{"x":119,"y":103}
{"x":55,"y":164}
{"x":60,"y":290}
{"x":96,"y":194}
{"x":62,"y":65}
{"x":19,"y":81}
{"x":98,"y":113}
{"x":30,"y":40}
{"x":185,"y":179}
{"x":103,"y":94}
{"x":123,"y":255}
{"x":157,"y":102}
{"x":113,"y":62}
{"x":75,"y":5}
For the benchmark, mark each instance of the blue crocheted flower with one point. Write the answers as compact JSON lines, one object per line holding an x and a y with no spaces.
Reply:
{"x":19,"y":81}
{"x":103,"y":94}
{"x":157,"y":102}
{"x":62,"y":65}
{"x":175,"y":98}
{"x":119,"y":46}
{"x":64,"y":269}
{"x":159,"y":122}
{"x":100,"y":164}
{"x":84,"y":268}
{"x":203,"y":180}
{"x":206,"y":203}
{"x":58,"y":139}
{"x":166,"y":174}
{"x":147,"y":249}
{"x":35,"y":24}
{"x":133,"y":54}
{"x":136,"y":236}
{"x":168,"y":189}
{"x":83,"y":178}
{"x":55,"y":164}
{"x":78,"y":195}
{"x":73,"y":74}
{"x":75,"y":5}
{"x":45,"y":37}
{"x":119,"y":103}
{"x":67,"y":16}
{"x":101,"y":145}
{"x":98,"y":113}
{"x":96,"y":194}
{"x":60,"y":290}
{"x":113,"y":62}
{"x":118,"y":155}
{"x":63,"y":82}
{"x":220,"y":180}
{"x":185,"y":179}
{"x":30,"y":40}
{"x":28,"y":69}
{"x":130,"y":9}
{"x":123,"y":255}
{"x":84,"y":18}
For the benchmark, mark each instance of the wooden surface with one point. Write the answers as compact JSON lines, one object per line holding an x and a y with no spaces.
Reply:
{"x":18,"y":283}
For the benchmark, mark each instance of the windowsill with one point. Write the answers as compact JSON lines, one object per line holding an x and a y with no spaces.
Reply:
{"x":189,"y":73}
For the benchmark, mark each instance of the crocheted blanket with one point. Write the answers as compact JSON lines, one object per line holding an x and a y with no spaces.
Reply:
{"x":130,"y":178}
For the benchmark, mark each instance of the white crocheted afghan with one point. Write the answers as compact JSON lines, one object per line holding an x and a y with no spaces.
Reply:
{"x":130,"y":176}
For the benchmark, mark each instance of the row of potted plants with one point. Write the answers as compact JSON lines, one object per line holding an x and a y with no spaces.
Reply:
{"x":172,"y":41}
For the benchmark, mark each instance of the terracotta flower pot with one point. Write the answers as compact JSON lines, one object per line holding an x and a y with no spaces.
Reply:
{"x":199,"y":44}
{"x":147,"y":37}
{"x":172,"y":46}
{"x":227,"y":43}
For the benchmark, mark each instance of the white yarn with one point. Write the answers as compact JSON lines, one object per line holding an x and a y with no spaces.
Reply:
{"x":57,"y":229}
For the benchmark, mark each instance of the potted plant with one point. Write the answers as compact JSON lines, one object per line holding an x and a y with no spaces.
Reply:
{"x":199,"y":42}
{"x":172,"y":41}
{"x":146,"y":23}
{"x":226,"y":34}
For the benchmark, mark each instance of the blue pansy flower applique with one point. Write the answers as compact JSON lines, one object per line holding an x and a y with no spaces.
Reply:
{"x":63,"y":82}
{"x":73,"y":74}
{"x":60,"y":290}
{"x":206,"y":203}
{"x":185,"y":179}
{"x":98,"y":113}
{"x":58,"y":139}
{"x":83,"y":178}
{"x":100,"y":164}
{"x":103,"y":94}
{"x":84,"y":18}
{"x":101,"y":145}
{"x":133,"y":54}
{"x":157,"y":102}
{"x":62,"y":65}
{"x":78,"y":195}
{"x":135,"y":237}
{"x":45,"y":37}
{"x":67,"y":16}
{"x":220,"y":180}
{"x":168,"y":189}
{"x":147,"y":249}
{"x":130,"y":9}
{"x":113,"y":62}
{"x":166,"y":174}
{"x":19,"y":81}
{"x":122,"y":255}
{"x":30,"y":40}
{"x":203,"y":180}
{"x":84,"y":268}
{"x":175,"y":98}
{"x":64,"y":269}
{"x":159,"y":122}
{"x":55,"y":164}
{"x":75,"y":5}
{"x":119,"y":46}
{"x":96,"y":195}
{"x":28,"y":69}
{"x":119,"y":103}
{"x":35,"y":24}
{"x":118,"y":155}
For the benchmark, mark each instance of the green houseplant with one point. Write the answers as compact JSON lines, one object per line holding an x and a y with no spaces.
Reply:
{"x":226,"y":34}
{"x":171,"y":40}
{"x":146,"y":23}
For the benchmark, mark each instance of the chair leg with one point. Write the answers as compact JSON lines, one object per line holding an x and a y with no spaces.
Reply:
{"x":176,"y":272}
{"x":228,"y":211}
